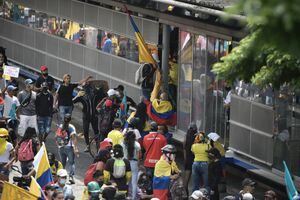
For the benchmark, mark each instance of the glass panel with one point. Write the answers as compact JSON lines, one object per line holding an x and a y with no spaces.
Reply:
{"x":185,"y":79}
{"x":199,"y":87}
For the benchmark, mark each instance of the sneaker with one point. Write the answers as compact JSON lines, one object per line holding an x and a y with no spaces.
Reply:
{"x":71,"y":180}
{"x":87,"y":148}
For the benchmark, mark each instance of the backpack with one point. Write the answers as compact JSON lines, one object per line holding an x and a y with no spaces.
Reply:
{"x":106,"y":118}
{"x":62,"y":136}
{"x":25,"y":151}
{"x":119,"y":169}
{"x":177,"y":189}
{"x":90,"y":172}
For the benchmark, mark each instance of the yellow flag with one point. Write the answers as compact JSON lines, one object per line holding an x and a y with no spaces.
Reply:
{"x":35,"y":187}
{"x":13,"y":192}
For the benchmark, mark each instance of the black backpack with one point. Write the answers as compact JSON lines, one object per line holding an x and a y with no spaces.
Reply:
{"x":106,"y":117}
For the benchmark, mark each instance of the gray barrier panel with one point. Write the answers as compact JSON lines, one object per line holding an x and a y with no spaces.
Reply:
{"x":99,"y":17}
{"x":239,"y":138}
{"x":63,"y":56}
{"x":262,"y":118}
{"x":261,"y":147}
{"x":240,"y":110}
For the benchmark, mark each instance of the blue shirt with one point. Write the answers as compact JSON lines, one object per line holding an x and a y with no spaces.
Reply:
{"x":107,"y":46}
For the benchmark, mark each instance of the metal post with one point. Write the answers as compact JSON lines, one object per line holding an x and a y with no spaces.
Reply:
{"x":165,"y":56}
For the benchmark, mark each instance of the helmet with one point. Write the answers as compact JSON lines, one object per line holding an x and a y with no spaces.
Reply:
{"x":154,"y":126}
{"x":44,"y":85}
{"x":169,"y":148}
{"x":117,"y":123}
{"x":67,"y":117}
{"x":93,"y":187}
{"x":3,"y":132}
{"x":134,"y":121}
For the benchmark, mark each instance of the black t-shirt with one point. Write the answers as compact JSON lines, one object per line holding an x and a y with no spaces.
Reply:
{"x":48,"y":79}
{"x":190,"y":137}
{"x":121,"y":182}
{"x":65,"y":94}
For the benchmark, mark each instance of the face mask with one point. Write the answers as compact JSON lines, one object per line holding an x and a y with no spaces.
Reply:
{"x":44,"y":90}
{"x":62,"y":181}
{"x":51,"y":193}
{"x":100,"y":183}
{"x":45,"y":74}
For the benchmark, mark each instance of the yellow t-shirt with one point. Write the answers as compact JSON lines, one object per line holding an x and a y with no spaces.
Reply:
{"x":116,"y":137}
{"x":199,"y":150}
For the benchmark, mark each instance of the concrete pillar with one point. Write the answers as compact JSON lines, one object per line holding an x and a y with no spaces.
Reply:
{"x":165,"y":55}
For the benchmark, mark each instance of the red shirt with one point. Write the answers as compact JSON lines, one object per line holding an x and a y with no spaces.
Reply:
{"x":154,"y":153}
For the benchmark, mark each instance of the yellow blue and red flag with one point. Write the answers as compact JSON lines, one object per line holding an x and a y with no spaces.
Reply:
{"x":11,"y":191}
{"x":42,"y":167}
{"x":36,"y":189}
{"x":146,"y":57}
{"x":290,"y":187}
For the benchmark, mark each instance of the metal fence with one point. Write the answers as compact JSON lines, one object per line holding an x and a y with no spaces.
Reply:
{"x":102,"y":18}
{"x":33,"y":48}
{"x":251,"y":129}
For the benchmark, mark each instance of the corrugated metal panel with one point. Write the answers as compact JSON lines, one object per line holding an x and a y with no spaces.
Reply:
{"x":262,"y":118}
{"x":41,"y":5}
{"x":77,"y":52}
{"x":53,"y":7}
{"x":29,"y":57}
{"x":261,"y":147}
{"x":64,"y":49}
{"x":105,"y":18}
{"x":76,"y":73}
{"x":40,"y":39}
{"x":130,"y":69}
{"x":91,"y":15}
{"x":150,"y":31}
{"x":239,"y":138}
{"x":90,"y":58}
{"x":240,"y":112}
{"x":17,"y":34}
{"x":77,"y":12}
{"x":63,"y":68}
{"x":29,"y":37}
{"x":118,"y":68}
{"x":52,"y":64}
{"x":40,"y":59}
{"x":119,"y":23}
{"x":52,"y":45}
{"x":65,"y":9}
{"x":104,"y":63}
{"x":18,"y":53}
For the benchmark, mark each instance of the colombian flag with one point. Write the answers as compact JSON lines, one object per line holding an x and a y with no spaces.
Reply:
{"x":290,"y":187}
{"x":146,"y":57}
{"x":161,"y":112}
{"x":42,"y":167}
{"x":35,"y":188}
{"x":162,"y":180}
{"x":12,"y":192}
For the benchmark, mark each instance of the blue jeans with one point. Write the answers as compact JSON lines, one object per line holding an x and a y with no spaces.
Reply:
{"x":67,"y":154}
{"x":134,"y":178}
{"x":146,"y":93}
{"x":200,"y":174}
{"x":44,"y":124}
{"x":64,"y":110}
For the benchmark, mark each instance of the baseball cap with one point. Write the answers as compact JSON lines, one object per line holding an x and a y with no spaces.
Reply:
{"x":43,"y":68}
{"x":11,"y":88}
{"x":248,"y":182}
{"x":62,"y":173}
{"x":28,"y":81}
{"x":270,"y":193}
{"x":197,"y":194}
{"x":111,"y":92}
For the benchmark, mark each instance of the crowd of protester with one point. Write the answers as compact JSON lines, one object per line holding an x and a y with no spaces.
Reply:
{"x":136,"y":158}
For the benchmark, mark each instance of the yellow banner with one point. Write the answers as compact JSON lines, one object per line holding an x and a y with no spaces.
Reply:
{"x":13,"y":192}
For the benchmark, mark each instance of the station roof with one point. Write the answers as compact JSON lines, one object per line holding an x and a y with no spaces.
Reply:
{"x":215,"y":4}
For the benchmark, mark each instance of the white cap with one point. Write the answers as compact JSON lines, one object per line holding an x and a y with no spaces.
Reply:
{"x":197,"y":194}
{"x":247,"y":196}
{"x":111,"y":92}
{"x":62,"y":173}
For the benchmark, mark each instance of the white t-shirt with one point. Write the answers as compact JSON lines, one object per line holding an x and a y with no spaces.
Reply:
{"x":72,"y":131}
{"x":4,"y":158}
{"x":136,"y":132}
{"x":10,"y":105}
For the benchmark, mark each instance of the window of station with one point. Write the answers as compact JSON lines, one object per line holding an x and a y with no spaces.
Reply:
{"x":201,"y":95}
{"x":90,"y":36}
